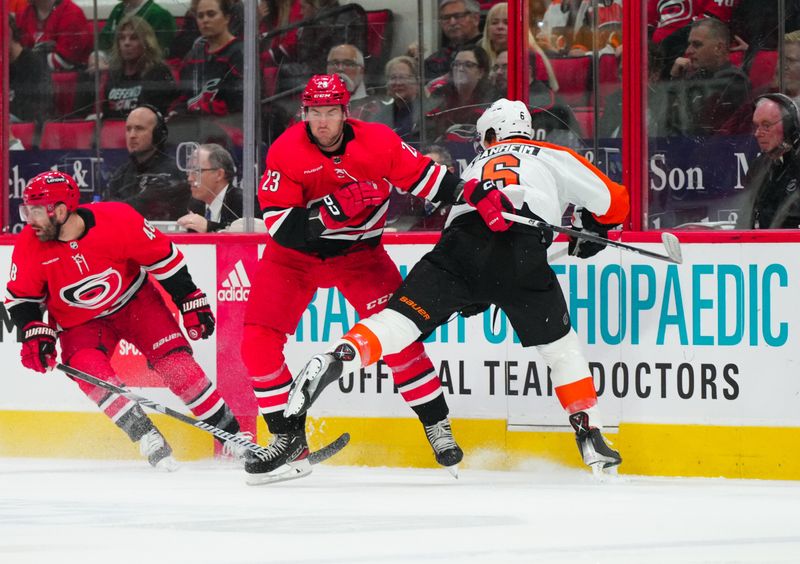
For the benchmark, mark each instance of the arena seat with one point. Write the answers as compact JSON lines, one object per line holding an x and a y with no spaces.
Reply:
{"x":112,"y":134}
{"x":269,"y":80}
{"x":68,"y":134}
{"x":573,"y":79}
{"x":762,"y":68}
{"x":585,"y":118}
{"x":380,"y":35}
{"x":65,"y":86}
{"x":24,"y":132}
{"x":608,"y":75}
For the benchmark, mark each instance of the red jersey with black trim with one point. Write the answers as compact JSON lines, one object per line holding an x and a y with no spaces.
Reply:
{"x":299,"y":175}
{"x":96,"y":274}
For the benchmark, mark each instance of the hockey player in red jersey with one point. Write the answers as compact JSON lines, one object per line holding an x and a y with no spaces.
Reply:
{"x":324,"y":198}
{"x":482,"y":259}
{"x":88,"y":267}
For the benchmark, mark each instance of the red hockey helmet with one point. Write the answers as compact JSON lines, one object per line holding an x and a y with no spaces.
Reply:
{"x":48,"y":189}
{"x":326,"y":90}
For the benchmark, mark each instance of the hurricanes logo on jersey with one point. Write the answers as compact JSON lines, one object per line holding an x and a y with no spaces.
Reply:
{"x":94,"y":292}
{"x":236,"y":287}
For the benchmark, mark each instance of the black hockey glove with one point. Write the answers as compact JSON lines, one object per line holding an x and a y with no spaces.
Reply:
{"x":197,"y":316}
{"x":583,"y":220}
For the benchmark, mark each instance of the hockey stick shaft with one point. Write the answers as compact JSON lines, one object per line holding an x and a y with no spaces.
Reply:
{"x":589,"y":237}
{"x":216,"y":431}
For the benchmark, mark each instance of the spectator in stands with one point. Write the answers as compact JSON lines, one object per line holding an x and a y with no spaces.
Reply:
{"x":276,"y":46}
{"x":401,"y":109}
{"x":137,"y":74}
{"x":772,"y":184}
{"x":150,"y":181}
{"x":332,"y":25}
{"x":348,"y":62}
{"x":16,"y":7}
{"x":212,"y":72}
{"x":708,"y":89}
{"x":756,"y":22}
{"x":462,"y":96}
{"x":460,"y":22}
{"x":495,"y":39}
{"x":552,"y":119}
{"x":58,"y":30}
{"x":189,"y":31}
{"x":29,"y":88}
{"x":160,"y":20}
{"x":791,"y":65}
{"x":217,"y":203}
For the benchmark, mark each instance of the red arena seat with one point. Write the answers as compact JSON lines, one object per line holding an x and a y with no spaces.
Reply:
{"x":573,"y":78}
{"x":585,"y":118}
{"x":112,"y":134}
{"x":65,"y":85}
{"x":68,"y":135}
{"x":24,"y":132}
{"x":762,"y":68}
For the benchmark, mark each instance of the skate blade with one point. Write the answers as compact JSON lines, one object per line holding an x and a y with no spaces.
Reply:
{"x":298,"y":403}
{"x":453,"y":470}
{"x":283,"y":474}
{"x":167,"y":464}
{"x":605,"y":475}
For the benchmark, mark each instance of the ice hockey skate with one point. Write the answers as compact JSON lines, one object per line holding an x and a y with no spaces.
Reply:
{"x":320,"y":372}
{"x":158,"y":452}
{"x":285,"y":458}
{"x":447,"y":451}
{"x":594,"y":448}
{"x":237,"y":451}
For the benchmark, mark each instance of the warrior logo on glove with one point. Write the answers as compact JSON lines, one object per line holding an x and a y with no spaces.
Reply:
{"x":197,"y":316}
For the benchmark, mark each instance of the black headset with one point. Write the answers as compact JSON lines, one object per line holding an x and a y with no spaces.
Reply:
{"x":790,"y":116}
{"x":160,"y":131}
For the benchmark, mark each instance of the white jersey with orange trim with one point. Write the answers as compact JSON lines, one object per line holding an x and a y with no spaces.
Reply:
{"x":543,"y":179}
{"x":96,"y":274}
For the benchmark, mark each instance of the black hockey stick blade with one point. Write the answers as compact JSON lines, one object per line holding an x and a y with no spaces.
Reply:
{"x":324,"y":453}
{"x":216,"y":431}
{"x":671,"y":243}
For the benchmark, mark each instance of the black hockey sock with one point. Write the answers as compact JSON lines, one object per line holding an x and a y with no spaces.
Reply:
{"x":432,"y":411}
{"x":280,"y":425}
{"x":135,"y":423}
{"x":224,"y":419}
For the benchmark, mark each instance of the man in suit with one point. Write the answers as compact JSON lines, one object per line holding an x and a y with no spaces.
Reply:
{"x":217,"y":202}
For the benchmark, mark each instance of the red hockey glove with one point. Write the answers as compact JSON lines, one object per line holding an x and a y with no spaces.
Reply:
{"x":348,"y":202}
{"x":197,"y":316}
{"x":490,"y":203}
{"x":583,"y":220}
{"x":38,"y":347}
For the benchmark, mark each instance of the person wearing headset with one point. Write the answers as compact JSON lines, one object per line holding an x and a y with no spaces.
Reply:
{"x":150,"y":181}
{"x":772,"y":182}
{"x":216,"y":201}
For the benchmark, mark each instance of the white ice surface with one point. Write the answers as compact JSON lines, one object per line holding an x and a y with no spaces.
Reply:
{"x":55,"y":511}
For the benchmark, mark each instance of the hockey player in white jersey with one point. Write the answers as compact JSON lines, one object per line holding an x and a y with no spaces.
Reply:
{"x":483,"y":259}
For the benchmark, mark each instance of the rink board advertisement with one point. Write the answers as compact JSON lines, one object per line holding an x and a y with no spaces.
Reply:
{"x":709,"y":343}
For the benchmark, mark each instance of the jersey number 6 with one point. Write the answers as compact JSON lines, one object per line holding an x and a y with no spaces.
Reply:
{"x":502,"y":169}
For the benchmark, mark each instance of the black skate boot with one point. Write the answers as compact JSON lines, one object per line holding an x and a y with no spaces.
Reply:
{"x":320,"y":372}
{"x":158,"y":452}
{"x":286,"y":459}
{"x":594,"y":449}
{"x":447,"y":452}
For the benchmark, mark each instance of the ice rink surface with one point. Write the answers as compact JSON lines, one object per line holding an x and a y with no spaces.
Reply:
{"x":118,"y":512}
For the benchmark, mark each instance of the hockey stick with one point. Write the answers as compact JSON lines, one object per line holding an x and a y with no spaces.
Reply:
{"x":313,"y":458}
{"x":671,"y":243}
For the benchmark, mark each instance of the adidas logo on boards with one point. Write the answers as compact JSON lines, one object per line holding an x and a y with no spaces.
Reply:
{"x":236,"y":287}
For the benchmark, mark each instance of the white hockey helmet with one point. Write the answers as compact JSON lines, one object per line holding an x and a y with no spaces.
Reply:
{"x":507,"y":118}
